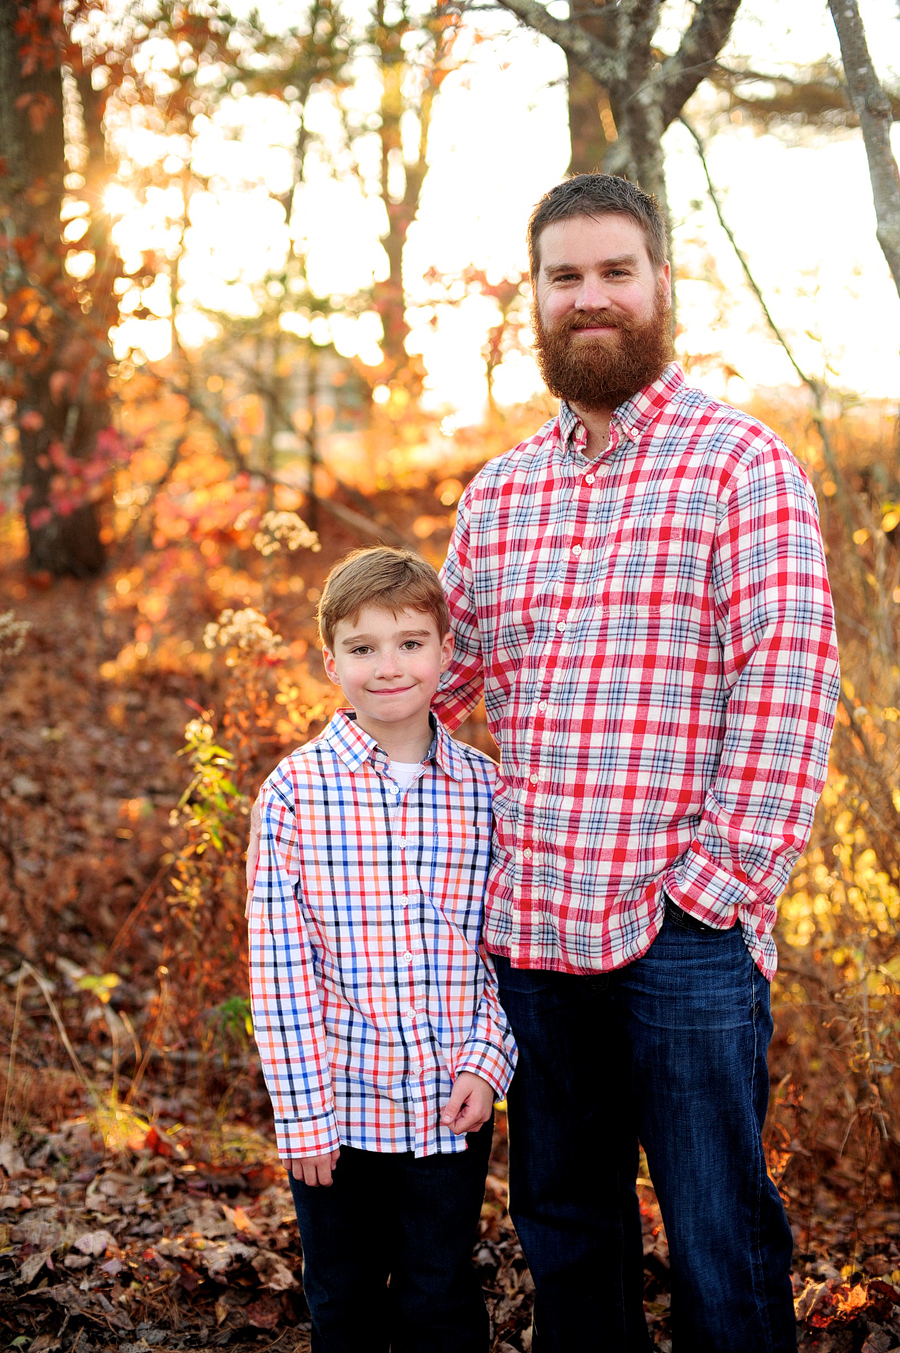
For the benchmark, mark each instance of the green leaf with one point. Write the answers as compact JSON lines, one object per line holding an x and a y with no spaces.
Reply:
{"x":101,"y":987}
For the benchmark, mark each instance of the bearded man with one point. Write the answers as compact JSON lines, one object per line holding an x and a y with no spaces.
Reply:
{"x":639,"y":590}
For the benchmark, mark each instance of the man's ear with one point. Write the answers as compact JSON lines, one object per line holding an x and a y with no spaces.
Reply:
{"x":665,"y":282}
{"x":446,"y":651}
{"x":330,"y":668}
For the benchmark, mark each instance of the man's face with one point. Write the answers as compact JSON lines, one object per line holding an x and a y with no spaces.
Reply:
{"x":601,"y":312}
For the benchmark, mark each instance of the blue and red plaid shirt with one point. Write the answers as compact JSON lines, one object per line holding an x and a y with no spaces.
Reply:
{"x":369,"y":987}
{"x":653,"y":634}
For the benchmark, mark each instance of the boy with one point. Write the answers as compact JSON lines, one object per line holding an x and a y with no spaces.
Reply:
{"x":376,"y":1015}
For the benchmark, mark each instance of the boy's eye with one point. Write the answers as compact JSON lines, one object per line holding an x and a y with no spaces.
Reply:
{"x":361,"y":650}
{"x":412,"y":644}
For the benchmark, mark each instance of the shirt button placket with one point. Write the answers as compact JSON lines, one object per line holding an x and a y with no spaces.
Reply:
{"x":403,"y":901}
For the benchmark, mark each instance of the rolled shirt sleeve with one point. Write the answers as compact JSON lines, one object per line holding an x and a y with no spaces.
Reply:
{"x":490,"y":1050}
{"x":776,"y":627}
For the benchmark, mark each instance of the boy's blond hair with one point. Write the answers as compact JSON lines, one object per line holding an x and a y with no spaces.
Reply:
{"x":392,"y":580}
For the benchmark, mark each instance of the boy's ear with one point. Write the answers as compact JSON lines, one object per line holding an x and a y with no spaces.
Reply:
{"x":330,"y":668}
{"x":446,"y":651}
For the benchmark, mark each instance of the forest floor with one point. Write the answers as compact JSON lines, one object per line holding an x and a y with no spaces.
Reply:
{"x":171,"y":1243}
{"x":168,"y":1226}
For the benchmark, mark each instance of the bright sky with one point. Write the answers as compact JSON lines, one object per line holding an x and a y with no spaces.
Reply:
{"x":800,"y":206}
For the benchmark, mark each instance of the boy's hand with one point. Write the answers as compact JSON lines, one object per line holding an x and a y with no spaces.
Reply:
{"x":253,"y":849}
{"x":313,"y":1170}
{"x":470,"y":1104}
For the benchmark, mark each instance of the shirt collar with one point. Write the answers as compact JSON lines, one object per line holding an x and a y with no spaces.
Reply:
{"x":633,"y":417}
{"x":354,"y":746}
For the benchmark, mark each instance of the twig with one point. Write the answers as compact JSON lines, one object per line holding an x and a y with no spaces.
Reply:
{"x":814,"y":386}
{"x":11,"y":1062}
{"x":229,"y":444}
{"x":160,"y":483}
{"x":151,"y":1044}
{"x":82,"y":1075}
{"x":135,"y":912}
{"x":742,"y":259}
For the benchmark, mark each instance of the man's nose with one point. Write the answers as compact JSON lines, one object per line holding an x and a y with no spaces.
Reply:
{"x":593,"y":294}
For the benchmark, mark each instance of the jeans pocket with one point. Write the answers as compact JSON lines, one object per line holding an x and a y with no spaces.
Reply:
{"x":679,"y":917}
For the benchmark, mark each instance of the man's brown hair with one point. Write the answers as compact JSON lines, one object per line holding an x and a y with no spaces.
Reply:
{"x":392,"y":580}
{"x":598,"y":195}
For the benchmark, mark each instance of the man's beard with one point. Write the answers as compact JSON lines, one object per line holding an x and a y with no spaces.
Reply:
{"x":602,"y":372}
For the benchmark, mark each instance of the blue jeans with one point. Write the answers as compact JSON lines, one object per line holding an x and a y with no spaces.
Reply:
{"x":669,"y":1051}
{"x":415,"y":1220}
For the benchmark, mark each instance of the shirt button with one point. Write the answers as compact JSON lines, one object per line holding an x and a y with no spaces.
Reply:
{"x":589,"y":478}
{"x":562,"y":625}
{"x":404,"y":901}
{"x":542,"y":706}
{"x":410,"y":1014}
{"x":576,"y":549}
{"x":407,"y":957}
{"x":527,"y":852}
{"x":534,"y":779}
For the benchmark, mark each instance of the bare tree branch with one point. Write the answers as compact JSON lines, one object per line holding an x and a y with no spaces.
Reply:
{"x":706,"y":36}
{"x":815,"y":387}
{"x":380,"y":530}
{"x":873,"y":108}
{"x":590,"y":54}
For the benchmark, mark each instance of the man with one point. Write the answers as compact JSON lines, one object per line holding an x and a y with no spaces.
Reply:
{"x":640,"y":592}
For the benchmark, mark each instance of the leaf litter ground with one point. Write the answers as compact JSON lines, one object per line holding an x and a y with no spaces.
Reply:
{"x":179,"y":1246}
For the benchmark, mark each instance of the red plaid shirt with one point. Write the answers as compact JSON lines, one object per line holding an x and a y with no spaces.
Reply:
{"x":653,"y":634}
{"x":370,"y":990}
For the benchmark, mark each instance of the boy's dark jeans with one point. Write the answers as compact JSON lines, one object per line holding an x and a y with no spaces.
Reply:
{"x":671,"y":1050}
{"x":415,"y":1220}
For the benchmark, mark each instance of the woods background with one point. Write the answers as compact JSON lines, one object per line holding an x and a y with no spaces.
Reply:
{"x":244,"y":330}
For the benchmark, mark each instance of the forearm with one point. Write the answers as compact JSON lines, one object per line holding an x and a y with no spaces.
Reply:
{"x":781,"y":672}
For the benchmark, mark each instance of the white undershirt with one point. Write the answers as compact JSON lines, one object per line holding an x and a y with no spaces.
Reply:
{"x":404,"y":772}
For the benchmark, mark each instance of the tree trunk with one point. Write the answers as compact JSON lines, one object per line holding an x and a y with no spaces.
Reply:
{"x":593,"y":121}
{"x":55,"y":370}
{"x":396,"y":66}
{"x":622,"y":74}
{"x":873,"y":108}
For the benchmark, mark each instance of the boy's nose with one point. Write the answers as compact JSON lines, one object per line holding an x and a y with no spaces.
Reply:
{"x":387,"y":665}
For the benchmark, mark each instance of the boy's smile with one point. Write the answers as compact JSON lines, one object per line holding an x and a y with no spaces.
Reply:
{"x":388,"y":667}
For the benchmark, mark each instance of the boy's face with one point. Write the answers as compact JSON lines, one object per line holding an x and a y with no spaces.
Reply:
{"x":388,"y":667}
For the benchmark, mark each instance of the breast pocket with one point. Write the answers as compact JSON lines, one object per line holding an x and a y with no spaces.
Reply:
{"x":641,"y":564}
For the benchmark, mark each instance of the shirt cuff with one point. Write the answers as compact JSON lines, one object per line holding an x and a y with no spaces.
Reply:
{"x":708,"y":892}
{"x":307,"y":1136}
{"x":488,"y":1062}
